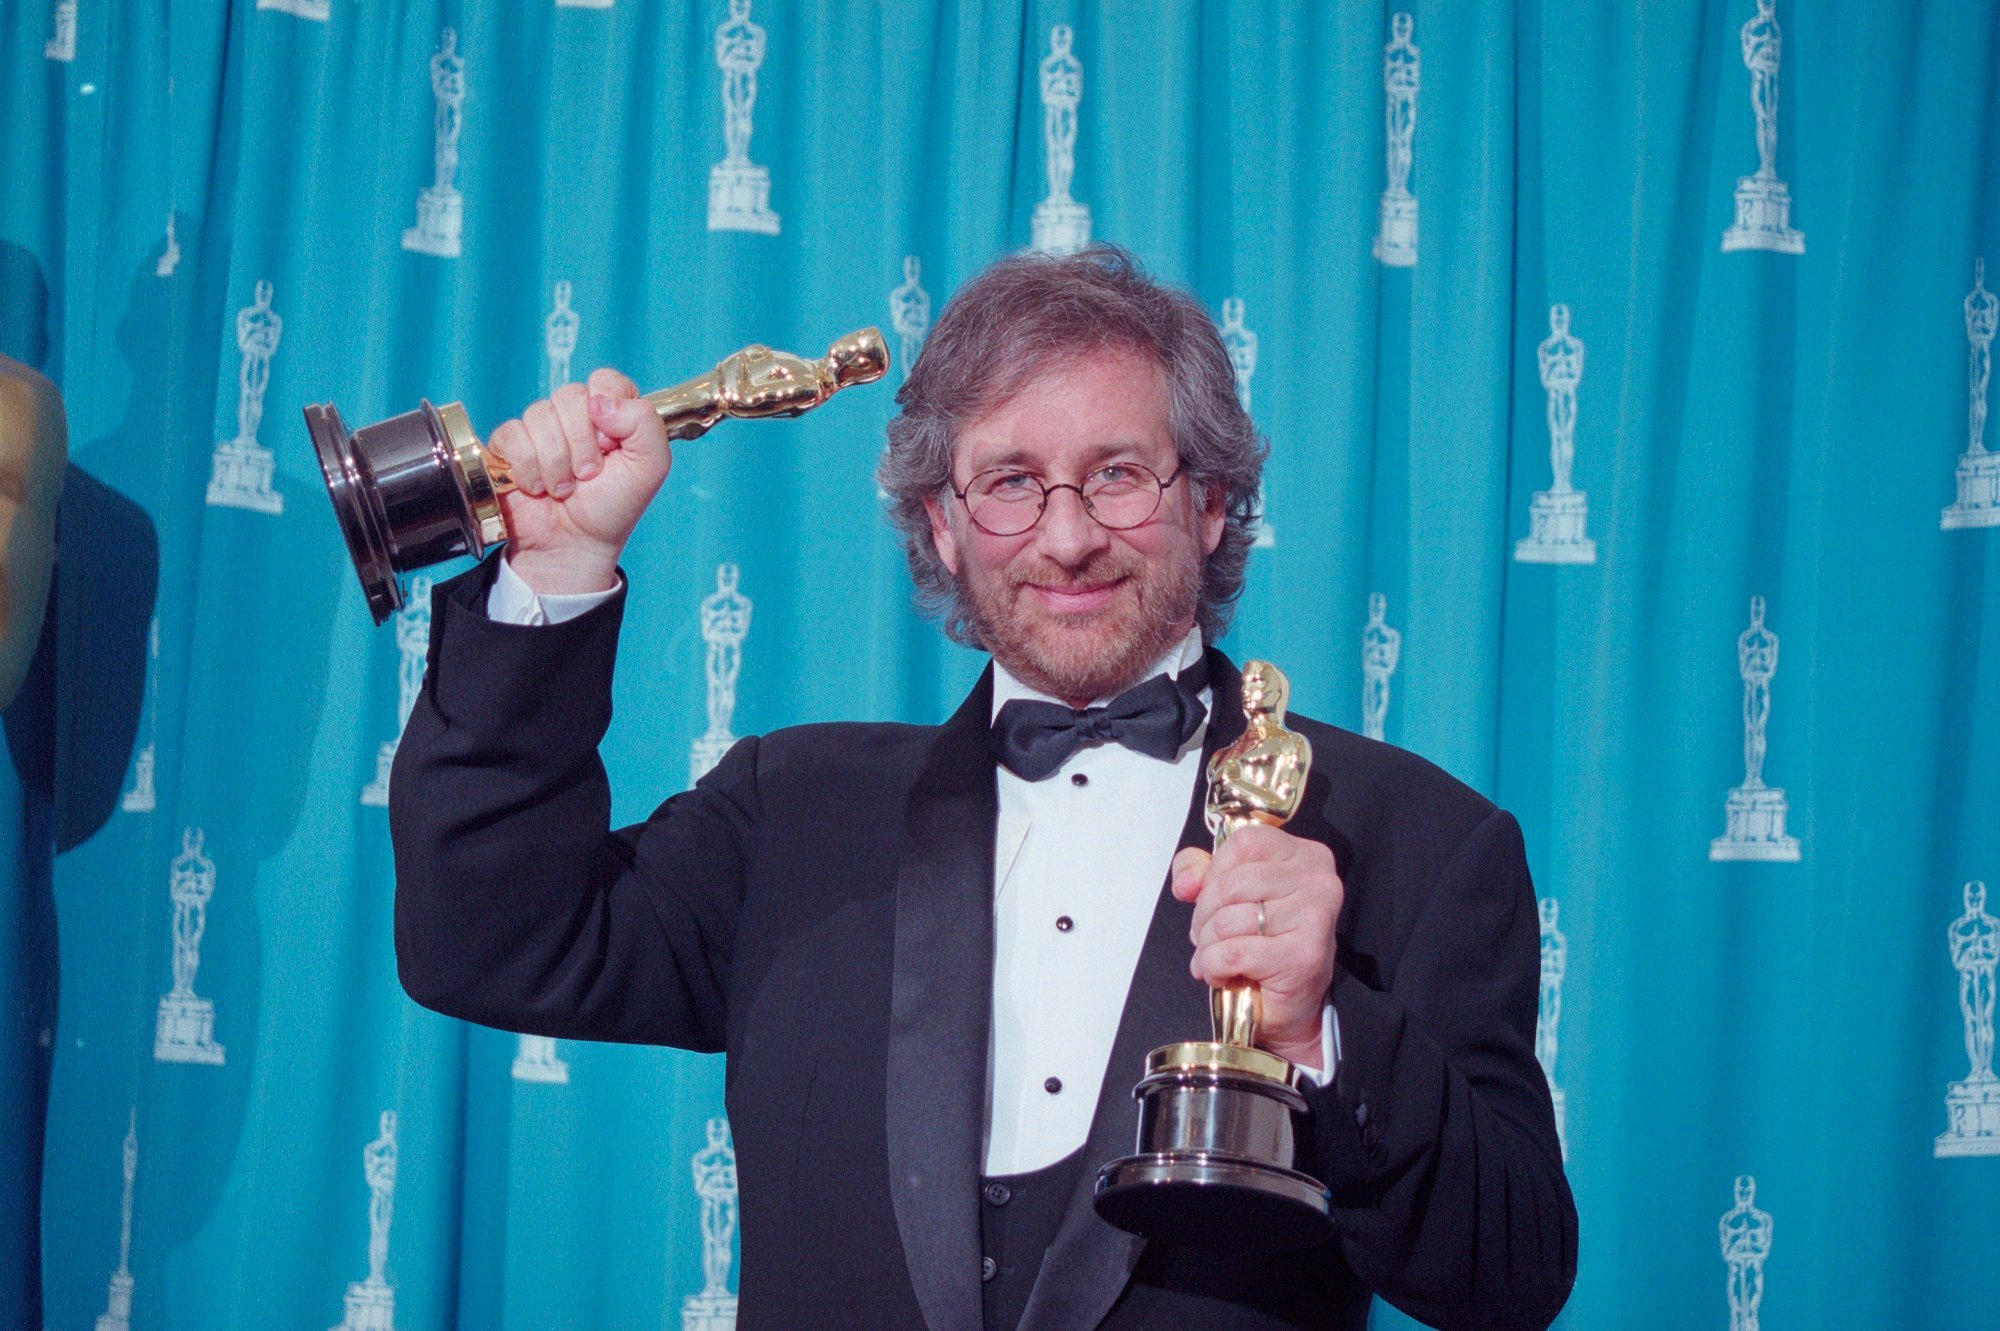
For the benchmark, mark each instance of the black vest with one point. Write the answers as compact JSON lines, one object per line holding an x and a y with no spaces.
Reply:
{"x":1018,"y":1218}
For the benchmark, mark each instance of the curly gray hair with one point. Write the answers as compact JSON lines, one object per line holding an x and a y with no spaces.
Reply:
{"x":1028,"y":313}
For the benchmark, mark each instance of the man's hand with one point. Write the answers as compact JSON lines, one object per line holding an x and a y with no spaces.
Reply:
{"x":586,"y":463}
{"x":1299,"y":889}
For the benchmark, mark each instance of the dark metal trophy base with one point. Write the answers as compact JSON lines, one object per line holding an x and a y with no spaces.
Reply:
{"x":410,"y":491}
{"x":1217,"y":1142}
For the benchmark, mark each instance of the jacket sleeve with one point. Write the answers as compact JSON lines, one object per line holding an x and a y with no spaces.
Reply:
{"x":516,"y":904}
{"x":1438,"y":1136}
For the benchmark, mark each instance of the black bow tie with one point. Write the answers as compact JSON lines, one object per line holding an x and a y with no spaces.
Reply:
{"x":1032,"y":739}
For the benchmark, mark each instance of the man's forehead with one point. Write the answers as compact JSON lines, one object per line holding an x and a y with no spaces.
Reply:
{"x":1082,"y":407}
{"x":1031,"y":454}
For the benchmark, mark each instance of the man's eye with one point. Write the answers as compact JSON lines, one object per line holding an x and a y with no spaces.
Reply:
{"x":1012,"y":483}
{"x":1116,"y":476}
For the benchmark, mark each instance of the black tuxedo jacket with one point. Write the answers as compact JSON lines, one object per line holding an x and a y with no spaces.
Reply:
{"x":820,"y":907}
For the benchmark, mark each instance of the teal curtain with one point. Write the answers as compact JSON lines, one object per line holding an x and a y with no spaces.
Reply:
{"x":1748,"y":423}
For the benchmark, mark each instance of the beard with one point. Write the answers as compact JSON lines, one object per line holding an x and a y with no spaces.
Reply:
{"x":1096,"y":654}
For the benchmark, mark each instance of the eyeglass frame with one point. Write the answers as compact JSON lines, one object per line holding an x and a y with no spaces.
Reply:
{"x":1041,"y":511}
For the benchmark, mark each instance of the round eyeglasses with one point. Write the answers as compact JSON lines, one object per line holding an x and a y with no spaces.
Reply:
{"x":1005,"y":501}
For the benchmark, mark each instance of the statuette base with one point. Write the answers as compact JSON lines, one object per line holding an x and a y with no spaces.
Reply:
{"x":241,"y":477}
{"x":705,"y":753}
{"x":117,"y":1314}
{"x":1978,"y":493}
{"x":440,"y":223}
{"x":1756,"y":828}
{"x":1974,"y":1107}
{"x":1396,"y":232}
{"x":548,"y":1070}
{"x":370,"y":1307}
{"x":141,"y":798}
{"x":375,"y":794}
{"x":1556,"y":521}
{"x":709,"y":1312}
{"x":1061,"y":226}
{"x":1217,"y":1143}
{"x":739,"y":199}
{"x":184,"y":1031}
{"x":410,"y":491}
{"x":1214,"y":1201}
{"x":1763,"y":218}
{"x":62,"y":44}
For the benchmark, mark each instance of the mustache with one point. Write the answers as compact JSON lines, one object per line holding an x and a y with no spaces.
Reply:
{"x":1102,"y":568}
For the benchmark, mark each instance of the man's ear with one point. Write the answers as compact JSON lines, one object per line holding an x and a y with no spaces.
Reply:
{"x":942,"y":536}
{"x":1214,"y":515}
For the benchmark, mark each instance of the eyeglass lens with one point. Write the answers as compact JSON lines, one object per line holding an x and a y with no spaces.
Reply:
{"x":1005,"y":502}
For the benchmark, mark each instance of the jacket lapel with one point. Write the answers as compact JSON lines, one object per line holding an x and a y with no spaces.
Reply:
{"x":1090,"y":1261}
{"x":940,"y":993}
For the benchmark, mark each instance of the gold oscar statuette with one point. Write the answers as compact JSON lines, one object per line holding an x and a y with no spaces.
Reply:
{"x":419,"y":488}
{"x":1219,"y":1118}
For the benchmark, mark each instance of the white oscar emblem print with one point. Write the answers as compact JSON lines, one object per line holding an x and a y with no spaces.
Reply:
{"x":1746,"y":1242}
{"x":170,"y":257}
{"x":371,"y":1303}
{"x":583,"y":4}
{"x":1241,"y":344}
{"x":1381,"y":646}
{"x":440,"y":207}
{"x":1756,"y":812}
{"x":725,"y":622}
{"x":1974,"y":1104}
{"x":413,"y":638}
{"x":1763,"y":203}
{"x":910,"y":316}
{"x":535,"y":1059}
{"x":559,"y":337}
{"x":1555,"y":960}
{"x":184,"y":1028}
{"x":1062,"y":225}
{"x":117,"y":1314}
{"x":61,"y":44}
{"x":910,"y":313}
{"x":1396,"y":227}
{"x":1557,"y":515}
{"x":714,"y":1309}
{"x":739,"y":191}
{"x":1978,"y":502}
{"x":242,"y":468}
{"x":142,"y":798}
{"x":315,"y":10}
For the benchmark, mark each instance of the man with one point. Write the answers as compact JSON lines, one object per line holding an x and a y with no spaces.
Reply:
{"x":937,"y":956}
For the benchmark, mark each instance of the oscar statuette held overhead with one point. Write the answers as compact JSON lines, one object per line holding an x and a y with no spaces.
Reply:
{"x":419,"y":488}
{"x":1219,"y":1119}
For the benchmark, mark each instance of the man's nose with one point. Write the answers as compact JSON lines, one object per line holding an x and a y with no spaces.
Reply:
{"x":1068,"y":534}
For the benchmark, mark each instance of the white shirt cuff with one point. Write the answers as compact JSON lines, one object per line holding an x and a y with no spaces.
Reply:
{"x":1329,"y":1047}
{"x":513,"y":601}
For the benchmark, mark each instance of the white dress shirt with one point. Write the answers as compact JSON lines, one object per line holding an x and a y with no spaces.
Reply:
{"x":1079,"y":861}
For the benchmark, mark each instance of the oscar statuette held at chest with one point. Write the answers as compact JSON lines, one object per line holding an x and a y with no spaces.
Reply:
{"x":1219,"y":1119}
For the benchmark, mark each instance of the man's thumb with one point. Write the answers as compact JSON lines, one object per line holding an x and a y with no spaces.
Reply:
{"x":1190,"y":866}
{"x":620,"y":418}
